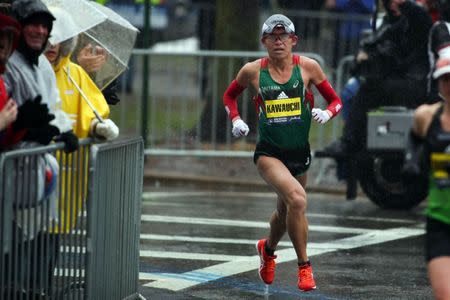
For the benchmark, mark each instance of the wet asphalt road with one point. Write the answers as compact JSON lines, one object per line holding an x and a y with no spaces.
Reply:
{"x":201,"y":245}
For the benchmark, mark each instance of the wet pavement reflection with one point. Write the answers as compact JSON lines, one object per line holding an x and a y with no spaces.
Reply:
{"x":200,"y":244}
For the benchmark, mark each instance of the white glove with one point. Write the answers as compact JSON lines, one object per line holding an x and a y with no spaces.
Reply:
{"x":239,"y":128}
{"x":107,"y":129}
{"x":321,"y":116}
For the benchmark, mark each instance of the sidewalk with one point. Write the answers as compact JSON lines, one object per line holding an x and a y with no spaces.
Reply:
{"x":230,"y":173}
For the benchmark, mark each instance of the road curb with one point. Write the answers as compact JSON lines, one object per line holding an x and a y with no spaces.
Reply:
{"x":176,"y":179}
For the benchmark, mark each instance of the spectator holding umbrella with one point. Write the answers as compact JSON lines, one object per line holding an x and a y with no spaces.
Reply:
{"x":81,"y":98}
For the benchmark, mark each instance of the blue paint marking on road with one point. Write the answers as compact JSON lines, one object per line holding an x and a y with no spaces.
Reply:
{"x":200,"y":277}
{"x":208,"y":276}
{"x":184,"y":276}
{"x":189,"y":275}
{"x":274,"y":289}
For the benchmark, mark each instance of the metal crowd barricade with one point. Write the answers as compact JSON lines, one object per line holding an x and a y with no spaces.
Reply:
{"x":49,"y":226}
{"x":115,"y":187}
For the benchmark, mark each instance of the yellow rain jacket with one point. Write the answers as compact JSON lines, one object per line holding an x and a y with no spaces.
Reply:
{"x":72,"y":101}
{"x":74,"y":171}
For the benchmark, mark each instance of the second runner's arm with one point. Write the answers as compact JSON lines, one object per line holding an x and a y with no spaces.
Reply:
{"x":234,"y":90}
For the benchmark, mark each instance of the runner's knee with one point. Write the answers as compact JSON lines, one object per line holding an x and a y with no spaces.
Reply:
{"x":296,"y":200}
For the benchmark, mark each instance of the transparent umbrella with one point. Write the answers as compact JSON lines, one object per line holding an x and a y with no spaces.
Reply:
{"x":64,"y":28}
{"x":80,"y":10}
{"x":117,"y":36}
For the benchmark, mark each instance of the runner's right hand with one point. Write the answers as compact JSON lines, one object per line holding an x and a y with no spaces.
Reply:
{"x":239,"y":128}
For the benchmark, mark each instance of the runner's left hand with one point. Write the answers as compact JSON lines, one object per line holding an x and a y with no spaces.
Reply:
{"x":321,"y":116}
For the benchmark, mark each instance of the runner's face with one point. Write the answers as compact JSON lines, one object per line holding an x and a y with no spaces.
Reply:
{"x":279,"y":43}
{"x":444,"y":86}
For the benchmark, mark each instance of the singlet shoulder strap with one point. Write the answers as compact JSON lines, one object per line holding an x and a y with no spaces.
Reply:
{"x":264,"y":62}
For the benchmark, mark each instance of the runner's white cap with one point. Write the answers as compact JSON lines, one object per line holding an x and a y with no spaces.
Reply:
{"x":277,"y":20}
{"x":442,"y":66}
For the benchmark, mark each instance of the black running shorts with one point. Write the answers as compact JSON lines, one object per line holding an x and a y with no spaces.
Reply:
{"x":437,"y":242}
{"x":297,"y":161}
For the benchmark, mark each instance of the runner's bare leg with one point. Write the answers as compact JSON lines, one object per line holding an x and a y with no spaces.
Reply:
{"x":291,"y":192}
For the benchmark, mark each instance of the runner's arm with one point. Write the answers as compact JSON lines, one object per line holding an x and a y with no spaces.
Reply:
{"x":230,"y":99}
{"x":236,"y":87}
{"x":318,"y":78}
{"x":333,"y":100}
{"x":415,"y":156}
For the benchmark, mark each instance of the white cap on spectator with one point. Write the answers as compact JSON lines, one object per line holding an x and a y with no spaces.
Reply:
{"x":442,"y":66}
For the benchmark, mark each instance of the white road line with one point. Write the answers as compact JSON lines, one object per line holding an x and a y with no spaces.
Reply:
{"x":242,"y":223}
{"x":183,"y":238}
{"x":181,"y":281}
{"x":191,"y":256}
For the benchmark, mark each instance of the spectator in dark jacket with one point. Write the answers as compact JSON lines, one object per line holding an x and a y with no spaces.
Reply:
{"x":392,"y":66}
{"x":356,"y":19}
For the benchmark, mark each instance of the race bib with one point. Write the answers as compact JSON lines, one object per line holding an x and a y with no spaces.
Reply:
{"x":440,"y":166}
{"x":283,"y":108}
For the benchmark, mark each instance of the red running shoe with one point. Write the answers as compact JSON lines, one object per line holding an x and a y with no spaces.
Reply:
{"x":267,"y":266}
{"x":305,"y":278}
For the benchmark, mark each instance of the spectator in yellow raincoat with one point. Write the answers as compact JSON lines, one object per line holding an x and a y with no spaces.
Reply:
{"x":71,"y":78}
{"x":86,"y":123}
